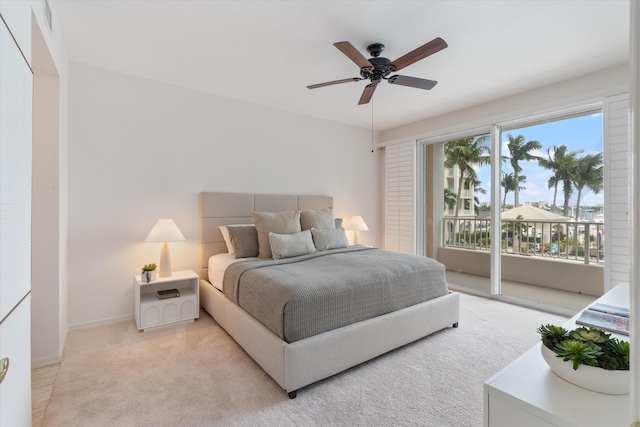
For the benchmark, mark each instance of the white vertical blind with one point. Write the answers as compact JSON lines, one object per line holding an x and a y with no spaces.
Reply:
{"x":617,"y":184}
{"x":400,"y":197}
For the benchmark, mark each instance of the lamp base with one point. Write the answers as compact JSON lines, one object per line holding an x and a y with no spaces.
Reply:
{"x":165,"y":261}
{"x":355,"y":237}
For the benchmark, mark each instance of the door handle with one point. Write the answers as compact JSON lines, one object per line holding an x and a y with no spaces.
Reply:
{"x":4,"y":367}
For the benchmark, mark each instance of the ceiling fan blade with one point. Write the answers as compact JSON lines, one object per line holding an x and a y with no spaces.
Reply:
{"x":412,"y":82}
{"x":335,"y":82}
{"x":415,"y":55}
{"x":367,"y":93}
{"x":353,"y":54}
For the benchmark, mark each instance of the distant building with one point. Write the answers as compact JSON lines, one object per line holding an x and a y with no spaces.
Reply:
{"x":467,"y":210}
{"x":541,"y":204}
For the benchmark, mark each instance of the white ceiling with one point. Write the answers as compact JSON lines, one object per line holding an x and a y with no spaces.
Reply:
{"x":267,"y":52}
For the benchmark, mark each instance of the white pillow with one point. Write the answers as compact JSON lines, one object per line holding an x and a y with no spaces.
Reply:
{"x":329,"y":238}
{"x":225,"y":235}
{"x":227,"y":239}
{"x":290,"y":245}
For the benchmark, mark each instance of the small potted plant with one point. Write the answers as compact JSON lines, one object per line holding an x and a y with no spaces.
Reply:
{"x":148,"y":273}
{"x":587,"y":357}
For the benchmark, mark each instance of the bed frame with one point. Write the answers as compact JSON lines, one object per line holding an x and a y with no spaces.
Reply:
{"x":295,"y":365}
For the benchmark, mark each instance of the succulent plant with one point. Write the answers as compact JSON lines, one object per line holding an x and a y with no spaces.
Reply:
{"x":149,"y":267}
{"x":621,"y":350}
{"x":594,"y":335}
{"x":552,"y":335}
{"x":146,"y":269}
{"x":586,"y":346}
{"x":578,"y":352}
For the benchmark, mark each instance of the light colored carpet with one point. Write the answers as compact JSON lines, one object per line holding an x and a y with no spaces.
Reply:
{"x":196,"y":375}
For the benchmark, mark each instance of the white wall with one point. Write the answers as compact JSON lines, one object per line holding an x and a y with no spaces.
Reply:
{"x":140,"y":150}
{"x":591,"y":87}
{"x":49,"y":323}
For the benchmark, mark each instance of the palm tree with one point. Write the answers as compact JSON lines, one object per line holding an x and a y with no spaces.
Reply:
{"x":520,"y":151}
{"x":449,"y":198}
{"x":509,"y":184}
{"x":476,"y":200}
{"x":588,"y":173}
{"x":553,"y":183}
{"x":562,"y":163}
{"x":465,"y":153}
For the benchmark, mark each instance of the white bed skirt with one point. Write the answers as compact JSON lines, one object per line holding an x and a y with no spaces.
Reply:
{"x":304,"y":362}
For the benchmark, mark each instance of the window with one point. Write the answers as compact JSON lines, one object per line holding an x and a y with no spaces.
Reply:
{"x":598,"y":137}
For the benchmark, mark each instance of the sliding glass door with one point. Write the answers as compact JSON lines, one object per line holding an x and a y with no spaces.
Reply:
{"x":521,"y":210}
{"x":552,"y":211}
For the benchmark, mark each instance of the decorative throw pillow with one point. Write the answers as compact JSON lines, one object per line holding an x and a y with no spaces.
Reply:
{"x":286,"y":222}
{"x":225,"y":235}
{"x":318,"y":218}
{"x":290,"y":245}
{"x":338,"y":222}
{"x":244,"y":240}
{"x":327,"y":238}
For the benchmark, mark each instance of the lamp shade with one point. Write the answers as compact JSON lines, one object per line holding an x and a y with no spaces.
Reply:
{"x":356,"y":223}
{"x":165,"y":230}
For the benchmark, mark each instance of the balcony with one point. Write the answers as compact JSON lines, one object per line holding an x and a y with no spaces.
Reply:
{"x":567,"y":255}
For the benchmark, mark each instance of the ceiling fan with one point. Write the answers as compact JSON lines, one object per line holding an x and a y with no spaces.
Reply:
{"x":378,"y":68}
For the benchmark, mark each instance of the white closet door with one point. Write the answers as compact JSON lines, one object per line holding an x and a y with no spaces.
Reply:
{"x":16,"y":88}
{"x":15,"y":344}
{"x":16,"y":83}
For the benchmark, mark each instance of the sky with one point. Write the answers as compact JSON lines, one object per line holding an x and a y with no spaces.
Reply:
{"x":578,"y":133}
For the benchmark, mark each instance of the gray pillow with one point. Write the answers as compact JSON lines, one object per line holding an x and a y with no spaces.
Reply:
{"x":326,"y":238}
{"x":338,"y":222}
{"x":244,"y":240}
{"x":290,"y":245}
{"x":317,"y":218}
{"x":287,"y":222}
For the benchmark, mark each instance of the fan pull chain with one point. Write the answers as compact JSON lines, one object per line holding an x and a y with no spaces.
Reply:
{"x":372,"y":126}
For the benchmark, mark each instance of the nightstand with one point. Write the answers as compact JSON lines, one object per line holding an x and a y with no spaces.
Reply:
{"x":152,"y":312}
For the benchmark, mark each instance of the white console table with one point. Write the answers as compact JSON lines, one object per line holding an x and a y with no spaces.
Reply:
{"x":526,"y":393}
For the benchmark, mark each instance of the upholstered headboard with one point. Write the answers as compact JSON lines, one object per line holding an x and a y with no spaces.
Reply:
{"x":237,"y":208}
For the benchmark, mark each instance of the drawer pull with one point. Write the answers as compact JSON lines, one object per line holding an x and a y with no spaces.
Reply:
{"x":4,"y":367}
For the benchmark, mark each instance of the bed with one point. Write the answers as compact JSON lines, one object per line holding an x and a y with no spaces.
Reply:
{"x":294,"y":358}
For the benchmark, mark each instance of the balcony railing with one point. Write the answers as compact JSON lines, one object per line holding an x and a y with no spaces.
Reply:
{"x":570,"y":240}
{"x":462,"y":213}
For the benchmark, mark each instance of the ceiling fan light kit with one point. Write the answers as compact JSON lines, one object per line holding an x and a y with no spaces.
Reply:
{"x":377,"y":68}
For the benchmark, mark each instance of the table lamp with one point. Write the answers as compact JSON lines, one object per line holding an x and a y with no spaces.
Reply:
{"x":165,"y":231}
{"x":356,"y":224}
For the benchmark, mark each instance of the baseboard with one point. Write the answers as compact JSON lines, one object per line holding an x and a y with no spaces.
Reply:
{"x":45,"y":361}
{"x":51,"y":360}
{"x":102,"y":322}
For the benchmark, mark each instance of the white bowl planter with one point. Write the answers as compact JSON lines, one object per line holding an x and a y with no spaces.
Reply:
{"x":589,"y":377}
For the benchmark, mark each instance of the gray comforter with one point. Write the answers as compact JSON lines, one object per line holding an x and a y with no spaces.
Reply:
{"x":303,"y":296}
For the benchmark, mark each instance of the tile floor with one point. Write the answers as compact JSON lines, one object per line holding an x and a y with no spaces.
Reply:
{"x":42,"y":380}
